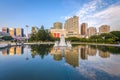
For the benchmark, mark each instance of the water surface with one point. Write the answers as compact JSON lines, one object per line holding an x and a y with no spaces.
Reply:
{"x":43,"y":62}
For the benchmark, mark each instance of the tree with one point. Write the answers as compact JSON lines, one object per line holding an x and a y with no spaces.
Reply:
{"x":117,"y":34}
{"x":72,"y":39}
{"x":108,"y":37}
{"x":7,"y":38}
{"x":42,"y":27}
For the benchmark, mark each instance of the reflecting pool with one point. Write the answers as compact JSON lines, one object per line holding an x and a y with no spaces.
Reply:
{"x":44,"y":62}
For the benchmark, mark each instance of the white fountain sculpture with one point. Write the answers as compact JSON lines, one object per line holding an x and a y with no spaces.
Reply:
{"x":62,"y":42}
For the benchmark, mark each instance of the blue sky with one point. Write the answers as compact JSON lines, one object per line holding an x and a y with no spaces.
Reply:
{"x":18,"y":13}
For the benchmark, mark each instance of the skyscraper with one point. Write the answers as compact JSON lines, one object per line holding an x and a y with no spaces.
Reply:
{"x":84,"y":28}
{"x":12,"y":32}
{"x":104,"y":29}
{"x":72,"y":26}
{"x":19,"y":32}
{"x":57,"y":25}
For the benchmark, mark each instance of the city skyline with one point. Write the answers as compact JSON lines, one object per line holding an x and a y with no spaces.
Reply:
{"x":18,"y":13}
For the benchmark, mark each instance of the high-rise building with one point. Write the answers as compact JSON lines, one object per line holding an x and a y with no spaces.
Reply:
{"x":72,"y":26}
{"x":104,"y":29}
{"x":5,"y":29}
{"x":57,"y":25}
{"x":91,"y":31}
{"x":12,"y":32}
{"x":19,"y":32}
{"x":84,"y":28}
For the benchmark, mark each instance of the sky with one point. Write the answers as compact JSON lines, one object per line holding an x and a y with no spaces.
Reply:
{"x":18,"y":13}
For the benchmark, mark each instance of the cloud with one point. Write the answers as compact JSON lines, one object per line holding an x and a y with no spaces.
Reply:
{"x":94,"y":16}
{"x":65,"y":17}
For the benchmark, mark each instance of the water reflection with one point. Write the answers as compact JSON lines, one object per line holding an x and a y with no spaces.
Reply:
{"x":85,"y":62}
{"x":14,"y":50}
{"x":73,"y":56}
{"x":40,"y":50}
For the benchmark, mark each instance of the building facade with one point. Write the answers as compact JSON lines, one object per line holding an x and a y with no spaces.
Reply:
{"x":5,"y":29}
{"x":19,"y":32}
{"x":56,"y":33}
{"x":91,"y":31}
{"x":84,"y":27}
{"x":72,"y":26}
{"x":57,"y":25}
{"x":104,"y":29}
{"x":12,"y":32}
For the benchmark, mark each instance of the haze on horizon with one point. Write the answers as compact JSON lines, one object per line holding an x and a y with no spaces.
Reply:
{"x":18,"y":13}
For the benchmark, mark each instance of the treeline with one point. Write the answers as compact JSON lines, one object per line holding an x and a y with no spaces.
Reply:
{"x":40,"y":34}
{"x":112,"y":37}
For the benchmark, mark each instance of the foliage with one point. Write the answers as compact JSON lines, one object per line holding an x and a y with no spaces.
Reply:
{"x":73,"y":39}
{"x":41,"y":35}
{"x":7,"y":38}
{"x":104,"y":37}
{"x":83,"y":39}
{"x":117,"y":34}
{"x":40,"y":50}
{"x":111,"y":49}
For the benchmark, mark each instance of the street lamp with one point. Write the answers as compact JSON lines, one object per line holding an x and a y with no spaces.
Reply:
{"x":27,"y":32}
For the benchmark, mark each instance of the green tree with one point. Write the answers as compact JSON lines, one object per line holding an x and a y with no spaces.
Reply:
{"x":73,"y":39}
{"x":7,"y":38}
{"x":108,"y":37}
{"x":41,"y":50}
{"x":117,"y":34}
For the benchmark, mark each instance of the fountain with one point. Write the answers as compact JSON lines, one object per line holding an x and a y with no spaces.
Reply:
{"x":62,"y":42}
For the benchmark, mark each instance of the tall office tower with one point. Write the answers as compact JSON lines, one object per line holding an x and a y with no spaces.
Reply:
{"x":57,"y":25}
{"x":84,"y":28}
{"x":72,"y":26}
{"x":5,"y":29}
{"x":12,"y":32}
{"x":91,"y":31}
{"x":19,"y":32}
{"x":104,"y":29}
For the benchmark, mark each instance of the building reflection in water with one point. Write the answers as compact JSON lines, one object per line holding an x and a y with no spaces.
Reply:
{"x":14,"y":50}
{"x":84,"y":53}
{"x":74,"y":55}
{"x":70,"y":55}
{"x":103,"y":54}
{"x":91,"y":51}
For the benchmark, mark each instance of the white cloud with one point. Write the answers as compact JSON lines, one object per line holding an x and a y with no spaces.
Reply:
{"x":65,"y":17}
{"x":94,"y":17}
